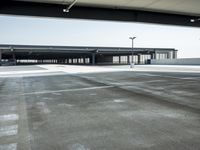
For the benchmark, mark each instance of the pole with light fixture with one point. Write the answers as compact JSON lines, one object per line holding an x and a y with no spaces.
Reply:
{"x":66,"y":10}
{"x":132,"y":38}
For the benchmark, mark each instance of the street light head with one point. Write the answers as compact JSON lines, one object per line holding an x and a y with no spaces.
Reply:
{"x":66,"y":10}
{"x":192,"y":20}
{"x":132,"y":38}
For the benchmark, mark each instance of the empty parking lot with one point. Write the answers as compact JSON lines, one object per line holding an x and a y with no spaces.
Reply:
{"x":113,"y":110}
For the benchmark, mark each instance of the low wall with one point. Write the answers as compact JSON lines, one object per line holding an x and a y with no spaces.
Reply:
{"x":182,"y":61}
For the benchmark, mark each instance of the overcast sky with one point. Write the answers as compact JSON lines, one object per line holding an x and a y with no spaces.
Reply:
{"x":68,"y":32}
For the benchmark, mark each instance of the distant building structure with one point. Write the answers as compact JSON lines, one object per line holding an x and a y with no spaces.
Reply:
{"x":31,"y":54}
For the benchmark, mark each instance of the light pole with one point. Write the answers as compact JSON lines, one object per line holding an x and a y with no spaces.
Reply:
{"x":132,"y":38}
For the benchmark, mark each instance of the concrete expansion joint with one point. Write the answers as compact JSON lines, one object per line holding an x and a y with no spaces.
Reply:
{"x":24,"y":133}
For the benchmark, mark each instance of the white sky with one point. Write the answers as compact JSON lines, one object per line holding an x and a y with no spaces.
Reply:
{"x":67,"y":32}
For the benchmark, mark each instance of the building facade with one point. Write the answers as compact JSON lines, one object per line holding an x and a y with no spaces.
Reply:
{"x":30,"y":54}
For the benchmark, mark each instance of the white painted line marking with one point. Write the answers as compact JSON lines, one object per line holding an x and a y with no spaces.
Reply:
{"x":191,"y":78}
{"x":78,"y":146}
{"x":12,"y":146}
{"x":69,"y":90}
{"x":119,"y":101}
{"x":93,"y":94}
{"x":56,"y":93}
{"x":8,"y":130}
{"x":9,"y":117}
{"x":65,"y":105}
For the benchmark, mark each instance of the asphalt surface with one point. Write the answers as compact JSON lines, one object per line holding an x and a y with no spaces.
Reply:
{"x":101,"y":111}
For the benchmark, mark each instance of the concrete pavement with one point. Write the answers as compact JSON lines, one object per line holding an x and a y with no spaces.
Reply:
{"x":109,"y":110}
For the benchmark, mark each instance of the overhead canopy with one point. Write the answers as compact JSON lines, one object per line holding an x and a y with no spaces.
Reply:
{"x":186,"y":7}
{"x":174,"y":12}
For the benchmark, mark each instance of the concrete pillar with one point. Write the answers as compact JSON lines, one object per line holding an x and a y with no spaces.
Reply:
{"x":152,"y":55}
{"x":139,"y":59}
{"x":14,"y":59}
{"x":155,"y":55}
{"x":128,"y":59}
{"x":13,"y":55}
{"x":119,"y":59}
{"x":93,"y":59}
{"x":0,"y":56}
{"x":83,"y":60}
{"x":168,"y":55}
{"x":174,"y":54}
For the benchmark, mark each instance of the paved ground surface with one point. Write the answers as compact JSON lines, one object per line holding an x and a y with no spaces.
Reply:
{"x":121,"y":110}
{"x":19,"y":68}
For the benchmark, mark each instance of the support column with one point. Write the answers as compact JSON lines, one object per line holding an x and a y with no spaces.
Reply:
{"x":155,"y":55}
{"x":83,"y":60}
{"x":139,"y":59}
{"x":152,"y":55}
{"x":0,"y":56}
{"x":168,"y":55}
{"x":128,"y":59}
{"x":93,"y":58}
{"x":14,"y":59}
{"x":174,"y":54}
{"x":119,"y":59}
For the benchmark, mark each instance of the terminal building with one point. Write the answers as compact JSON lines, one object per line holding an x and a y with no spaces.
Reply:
{"x":31,"y":54}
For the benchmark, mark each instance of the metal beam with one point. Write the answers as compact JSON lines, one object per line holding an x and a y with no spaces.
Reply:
{"x":55,"y":10}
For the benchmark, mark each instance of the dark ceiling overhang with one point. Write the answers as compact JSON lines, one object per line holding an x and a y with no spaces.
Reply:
{"x":82,"y":12}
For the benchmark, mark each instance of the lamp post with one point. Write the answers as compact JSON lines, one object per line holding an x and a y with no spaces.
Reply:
{"x":132,"y":38}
